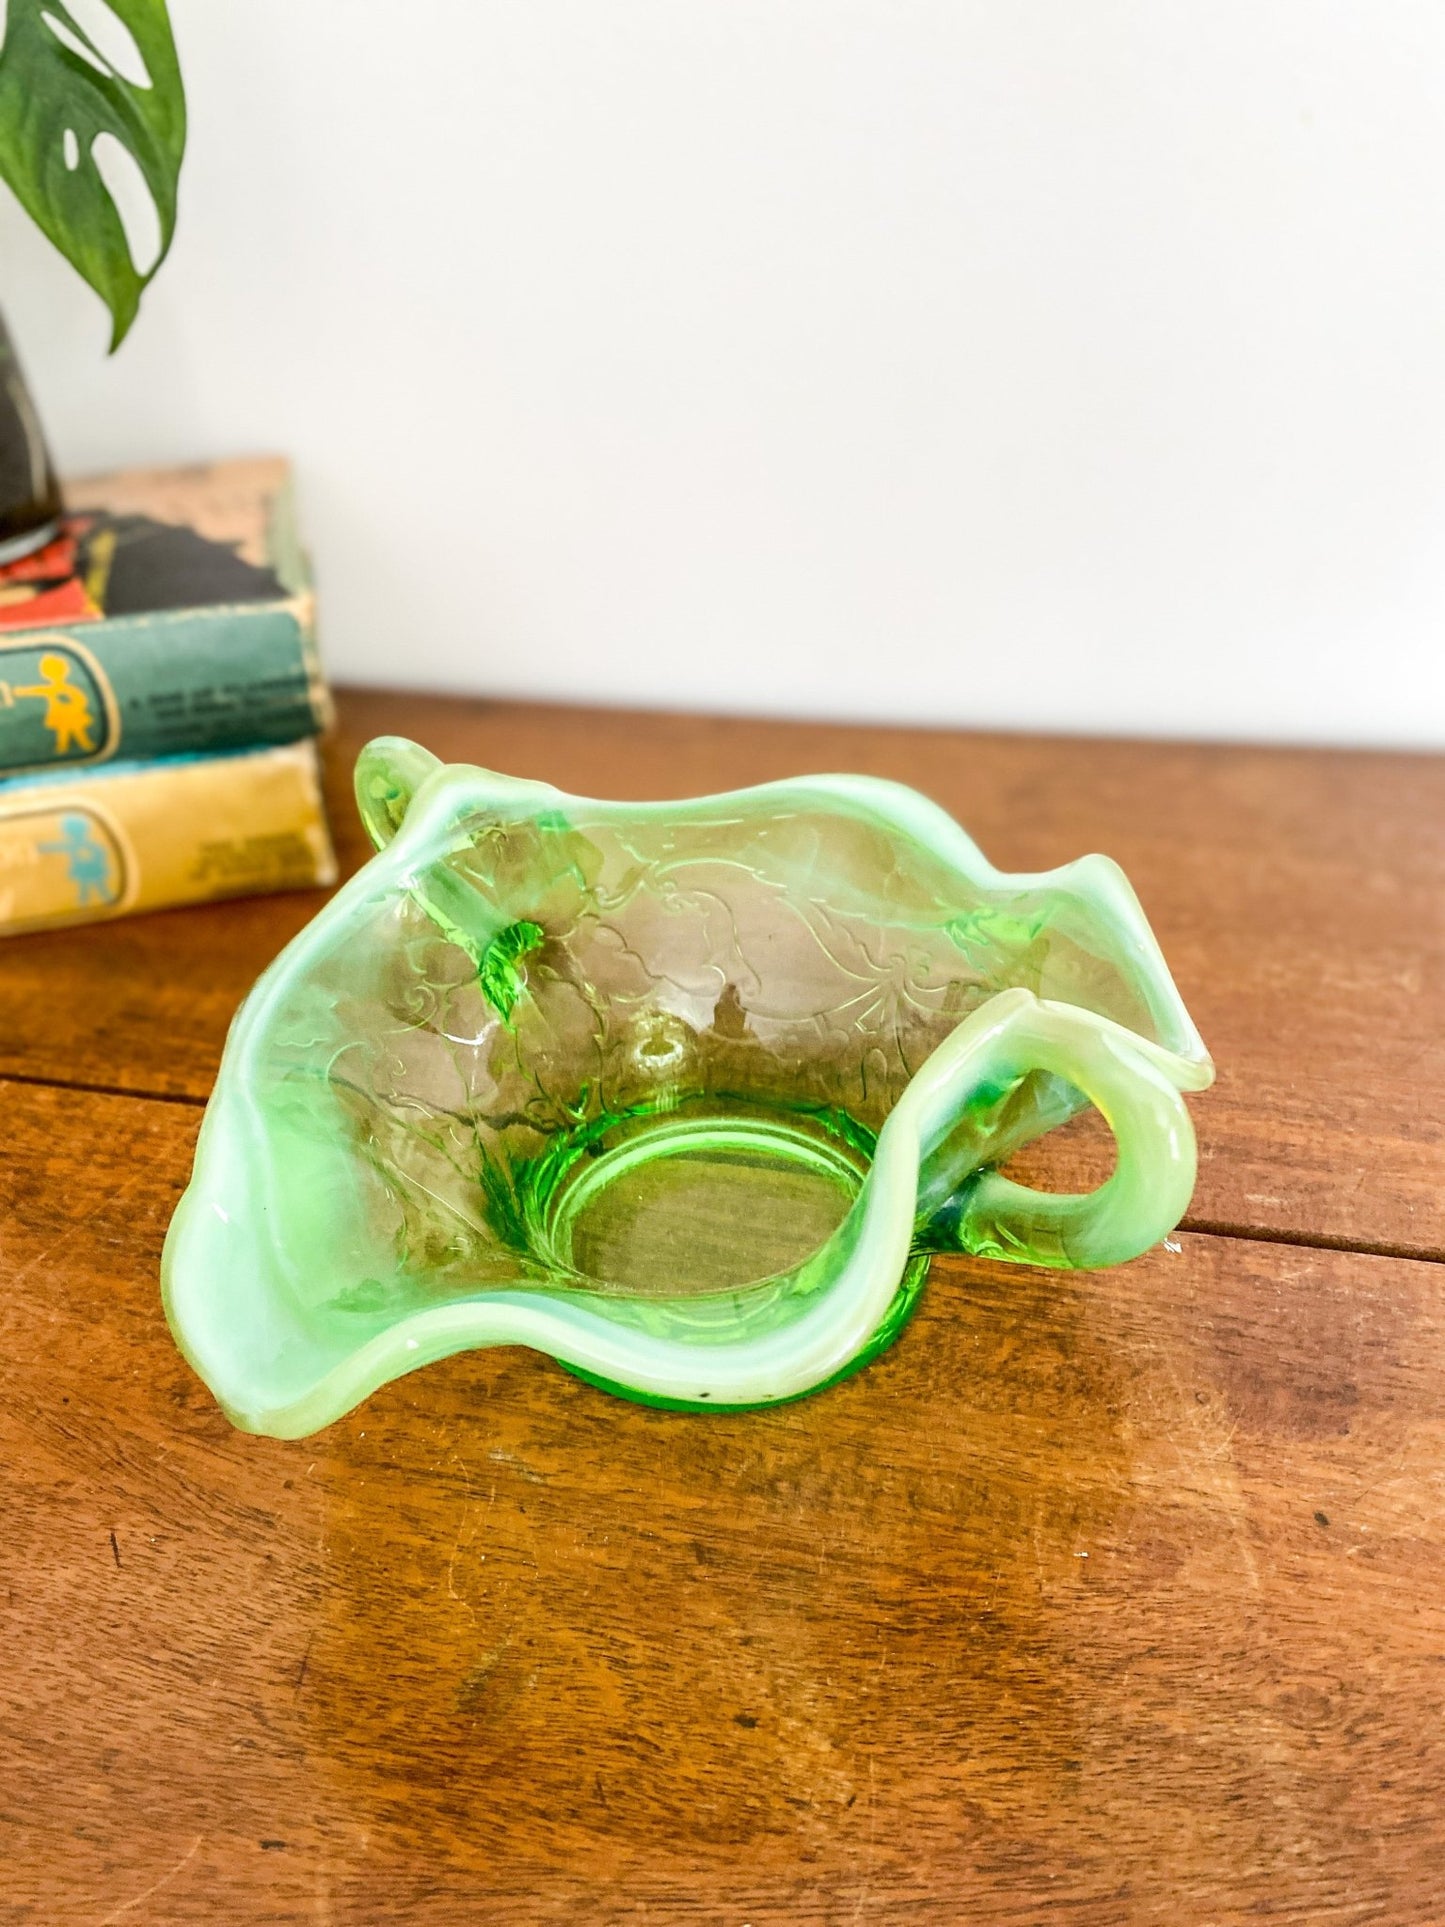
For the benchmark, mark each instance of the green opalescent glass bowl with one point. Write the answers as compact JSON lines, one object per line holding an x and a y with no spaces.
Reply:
{"x":684,"y":1094}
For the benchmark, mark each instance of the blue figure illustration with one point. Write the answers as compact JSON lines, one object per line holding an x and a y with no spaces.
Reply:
{"x":87,"y":858}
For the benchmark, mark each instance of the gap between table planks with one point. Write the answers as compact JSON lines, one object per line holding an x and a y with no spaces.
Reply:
{"x":1299,"y":897}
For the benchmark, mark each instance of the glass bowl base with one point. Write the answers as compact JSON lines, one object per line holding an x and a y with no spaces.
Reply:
{"x":686,"y":1205}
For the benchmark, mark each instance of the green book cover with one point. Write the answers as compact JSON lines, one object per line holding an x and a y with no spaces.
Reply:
{"x":172,"y":616}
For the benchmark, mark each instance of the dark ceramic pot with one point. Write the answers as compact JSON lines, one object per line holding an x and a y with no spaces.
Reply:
{"x":29,"y":492}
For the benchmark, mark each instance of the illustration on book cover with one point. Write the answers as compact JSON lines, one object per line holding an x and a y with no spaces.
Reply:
{"x":55,"y":863}
{"x":68,"y":706}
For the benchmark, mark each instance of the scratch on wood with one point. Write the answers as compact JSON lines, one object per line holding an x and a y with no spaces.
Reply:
{"x":115,"y":1549}
{"x":468,"y":1508}
{"x":48,"y":1251}
{"x":866,"y":1884}
{"x":452,"y":1566}
{"x":128,"y":1906}
{"x":1213,"y":1471}
{"x":301,"y":1669}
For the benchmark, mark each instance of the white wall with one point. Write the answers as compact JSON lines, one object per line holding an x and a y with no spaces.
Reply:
{"x":1077,"y":363}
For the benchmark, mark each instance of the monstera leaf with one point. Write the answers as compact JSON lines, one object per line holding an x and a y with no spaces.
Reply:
{"x":73,"y":85}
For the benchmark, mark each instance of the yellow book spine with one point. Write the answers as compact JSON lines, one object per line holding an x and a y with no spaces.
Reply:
{"x":144,"y":836}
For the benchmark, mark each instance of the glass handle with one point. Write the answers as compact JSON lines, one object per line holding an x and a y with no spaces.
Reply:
{"x":389,"y":772}
{"x":1153,"y":1179}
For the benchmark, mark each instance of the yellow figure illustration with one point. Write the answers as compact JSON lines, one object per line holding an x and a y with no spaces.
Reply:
{"x":67,"y":707}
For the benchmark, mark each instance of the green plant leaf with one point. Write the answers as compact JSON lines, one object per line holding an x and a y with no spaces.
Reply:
{"x":59,"y":93}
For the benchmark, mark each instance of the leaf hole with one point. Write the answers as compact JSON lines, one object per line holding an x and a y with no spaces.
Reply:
{"x":111,"y":38}
{"x":69,"y":38}
{"x":134,"y":203}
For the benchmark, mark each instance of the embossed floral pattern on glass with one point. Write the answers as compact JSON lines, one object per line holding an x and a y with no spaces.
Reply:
{"x":684,"y":1094}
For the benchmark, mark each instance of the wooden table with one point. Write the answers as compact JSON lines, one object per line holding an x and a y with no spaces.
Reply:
{"x":1109,"y":1598}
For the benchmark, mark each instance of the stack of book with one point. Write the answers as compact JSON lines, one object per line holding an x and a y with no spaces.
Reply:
{"x":160,"y":697}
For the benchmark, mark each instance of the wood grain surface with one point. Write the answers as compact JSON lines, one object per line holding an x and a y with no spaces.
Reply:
{"x":1299,"y":897}
{"x":1110,"y":1599}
